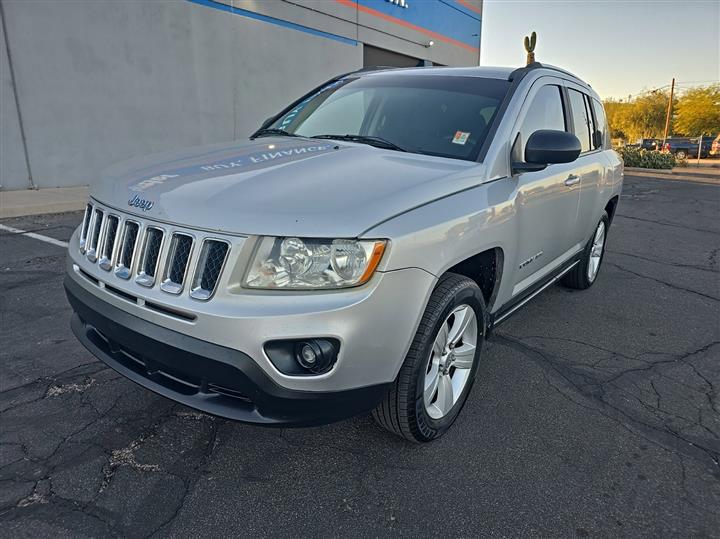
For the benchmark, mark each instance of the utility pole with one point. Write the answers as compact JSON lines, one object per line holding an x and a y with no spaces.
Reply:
{"x":669,"y":113}
{"x":699,"y":149}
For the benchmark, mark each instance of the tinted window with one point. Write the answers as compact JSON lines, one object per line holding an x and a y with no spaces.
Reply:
{"x":545,"y":112}
{"x":601,"y":127}
{"x":581,"y":119}
{"x":435,"y":115}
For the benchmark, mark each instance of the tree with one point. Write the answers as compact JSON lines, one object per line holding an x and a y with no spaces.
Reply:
{"x":646,"y":117}
{"x":641,"y":117}
{"x":616,"y":112}
{"x":698,"y":111}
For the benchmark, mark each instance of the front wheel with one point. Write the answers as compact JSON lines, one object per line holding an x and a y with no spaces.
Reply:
{"x":583,"y":275}
{"x":680,"y":154}
{"x":439,"y":369}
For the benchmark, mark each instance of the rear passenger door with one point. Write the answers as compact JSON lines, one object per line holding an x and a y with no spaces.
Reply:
{"x":591,"y":165}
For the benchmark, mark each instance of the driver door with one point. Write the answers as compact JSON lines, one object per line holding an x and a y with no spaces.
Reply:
{"x":547,"y":200}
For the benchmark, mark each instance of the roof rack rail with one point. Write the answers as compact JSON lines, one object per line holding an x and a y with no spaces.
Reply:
{"x":374,"y":68}
{"x":522,"y":71}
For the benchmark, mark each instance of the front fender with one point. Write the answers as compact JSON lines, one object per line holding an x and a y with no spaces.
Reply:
{"x":438,"y":235}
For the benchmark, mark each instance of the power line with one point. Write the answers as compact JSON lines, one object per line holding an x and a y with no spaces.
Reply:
{"x":686,"y":84}
{"x":698,"y":81}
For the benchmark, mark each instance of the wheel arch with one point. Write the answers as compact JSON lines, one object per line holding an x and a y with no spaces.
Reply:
{"x":611,"y":206}
{"x":485,"y":268}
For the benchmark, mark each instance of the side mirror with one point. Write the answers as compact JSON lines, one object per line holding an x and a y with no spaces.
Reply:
{"x":546,"y":147}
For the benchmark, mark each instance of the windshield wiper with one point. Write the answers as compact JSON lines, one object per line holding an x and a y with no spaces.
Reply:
{"x":270,"y":131}
{"x":378,"y":142}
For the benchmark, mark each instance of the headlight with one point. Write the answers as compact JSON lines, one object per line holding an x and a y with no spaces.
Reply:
{"x":294,"y":263}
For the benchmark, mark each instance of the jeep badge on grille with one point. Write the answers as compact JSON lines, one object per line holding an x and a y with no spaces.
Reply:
{"x":141,"y":203}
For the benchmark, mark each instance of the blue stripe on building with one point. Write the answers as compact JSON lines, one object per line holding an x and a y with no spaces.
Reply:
{"x":444,"y":17}
{"x":272,"y":20}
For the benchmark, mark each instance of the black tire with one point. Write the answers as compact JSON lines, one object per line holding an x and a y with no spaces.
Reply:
{"x":403,"y":411}
{"x":681,"y":154}
{"x":577,"y":278}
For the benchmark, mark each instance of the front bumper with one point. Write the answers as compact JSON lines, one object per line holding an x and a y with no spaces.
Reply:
{"x":212,"y":378}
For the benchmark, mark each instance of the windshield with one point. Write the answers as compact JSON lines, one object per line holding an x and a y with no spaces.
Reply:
{"x":428,"y":114}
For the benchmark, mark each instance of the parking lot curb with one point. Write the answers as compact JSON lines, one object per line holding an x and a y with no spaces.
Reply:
{"x":649,"y":170}
{"x":710,"y":180}
{"x":42,"y":201}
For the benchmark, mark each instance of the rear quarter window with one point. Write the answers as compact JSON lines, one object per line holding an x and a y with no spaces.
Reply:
{"x":601,"y":138}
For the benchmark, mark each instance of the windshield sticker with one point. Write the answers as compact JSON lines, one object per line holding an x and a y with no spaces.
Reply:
{"x":461,"y":137}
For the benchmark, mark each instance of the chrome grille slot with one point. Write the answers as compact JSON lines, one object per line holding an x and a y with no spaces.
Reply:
{"x":108,"y":245}
{"x":123,"y":268}
{"x":85,"y":227}
{"x":150,"y":256}
{"x":94,"y":235}
{"x":210,"y":265}
{"x":177,"y":263}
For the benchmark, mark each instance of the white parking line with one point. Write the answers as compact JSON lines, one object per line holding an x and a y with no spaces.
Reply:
{"x":46,"y":239}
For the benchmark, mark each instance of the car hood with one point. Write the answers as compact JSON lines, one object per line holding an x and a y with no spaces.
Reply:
{"x":282,"y":186}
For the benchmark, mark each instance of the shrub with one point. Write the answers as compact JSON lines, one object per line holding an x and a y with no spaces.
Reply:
{"x":639,"y":157}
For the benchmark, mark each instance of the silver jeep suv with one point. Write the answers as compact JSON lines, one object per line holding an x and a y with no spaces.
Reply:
{"x":354,"y":254}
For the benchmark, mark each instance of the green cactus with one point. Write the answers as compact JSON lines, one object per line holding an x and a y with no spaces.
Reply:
{"x":530,"y":43}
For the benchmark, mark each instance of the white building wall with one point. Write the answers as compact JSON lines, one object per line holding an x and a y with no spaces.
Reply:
{"x":102,"y":81}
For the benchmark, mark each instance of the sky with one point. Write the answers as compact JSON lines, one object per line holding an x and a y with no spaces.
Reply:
{"x":620,"y":48}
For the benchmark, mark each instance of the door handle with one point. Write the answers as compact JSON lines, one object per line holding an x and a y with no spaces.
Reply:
{"x":572,"y":180}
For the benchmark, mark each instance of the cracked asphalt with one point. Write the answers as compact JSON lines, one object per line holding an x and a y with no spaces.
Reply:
{"x":595,"y":413}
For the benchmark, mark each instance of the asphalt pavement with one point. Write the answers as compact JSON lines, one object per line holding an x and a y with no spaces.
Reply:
{"x":595,"y":413}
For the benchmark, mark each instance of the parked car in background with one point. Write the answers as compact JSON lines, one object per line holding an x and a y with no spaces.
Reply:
{"x":707,"y":144}
{"x":355,"y":252}
{"x":683,"y":147}
{"x":715,"y":146}
{"x":649,"y":143}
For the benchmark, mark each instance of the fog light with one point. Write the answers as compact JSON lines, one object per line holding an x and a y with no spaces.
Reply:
{"x":316,"y":355}
{"x":308,"y":356}
{"x":303,"y":357}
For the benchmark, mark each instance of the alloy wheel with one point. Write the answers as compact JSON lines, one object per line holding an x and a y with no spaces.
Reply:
{"x":596,"y":252}
{"x":450,"y":361}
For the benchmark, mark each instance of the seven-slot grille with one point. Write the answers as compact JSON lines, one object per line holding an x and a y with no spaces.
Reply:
{"x":145,"y":253}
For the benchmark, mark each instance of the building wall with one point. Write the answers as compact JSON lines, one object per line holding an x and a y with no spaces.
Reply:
{"x":13,"y":172}
{"x":102,"y":81}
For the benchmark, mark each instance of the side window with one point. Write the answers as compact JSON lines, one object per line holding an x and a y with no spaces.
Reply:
{"x":600,"y":138}
{"x":581,"y":119}
{"x":545,"y":112}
